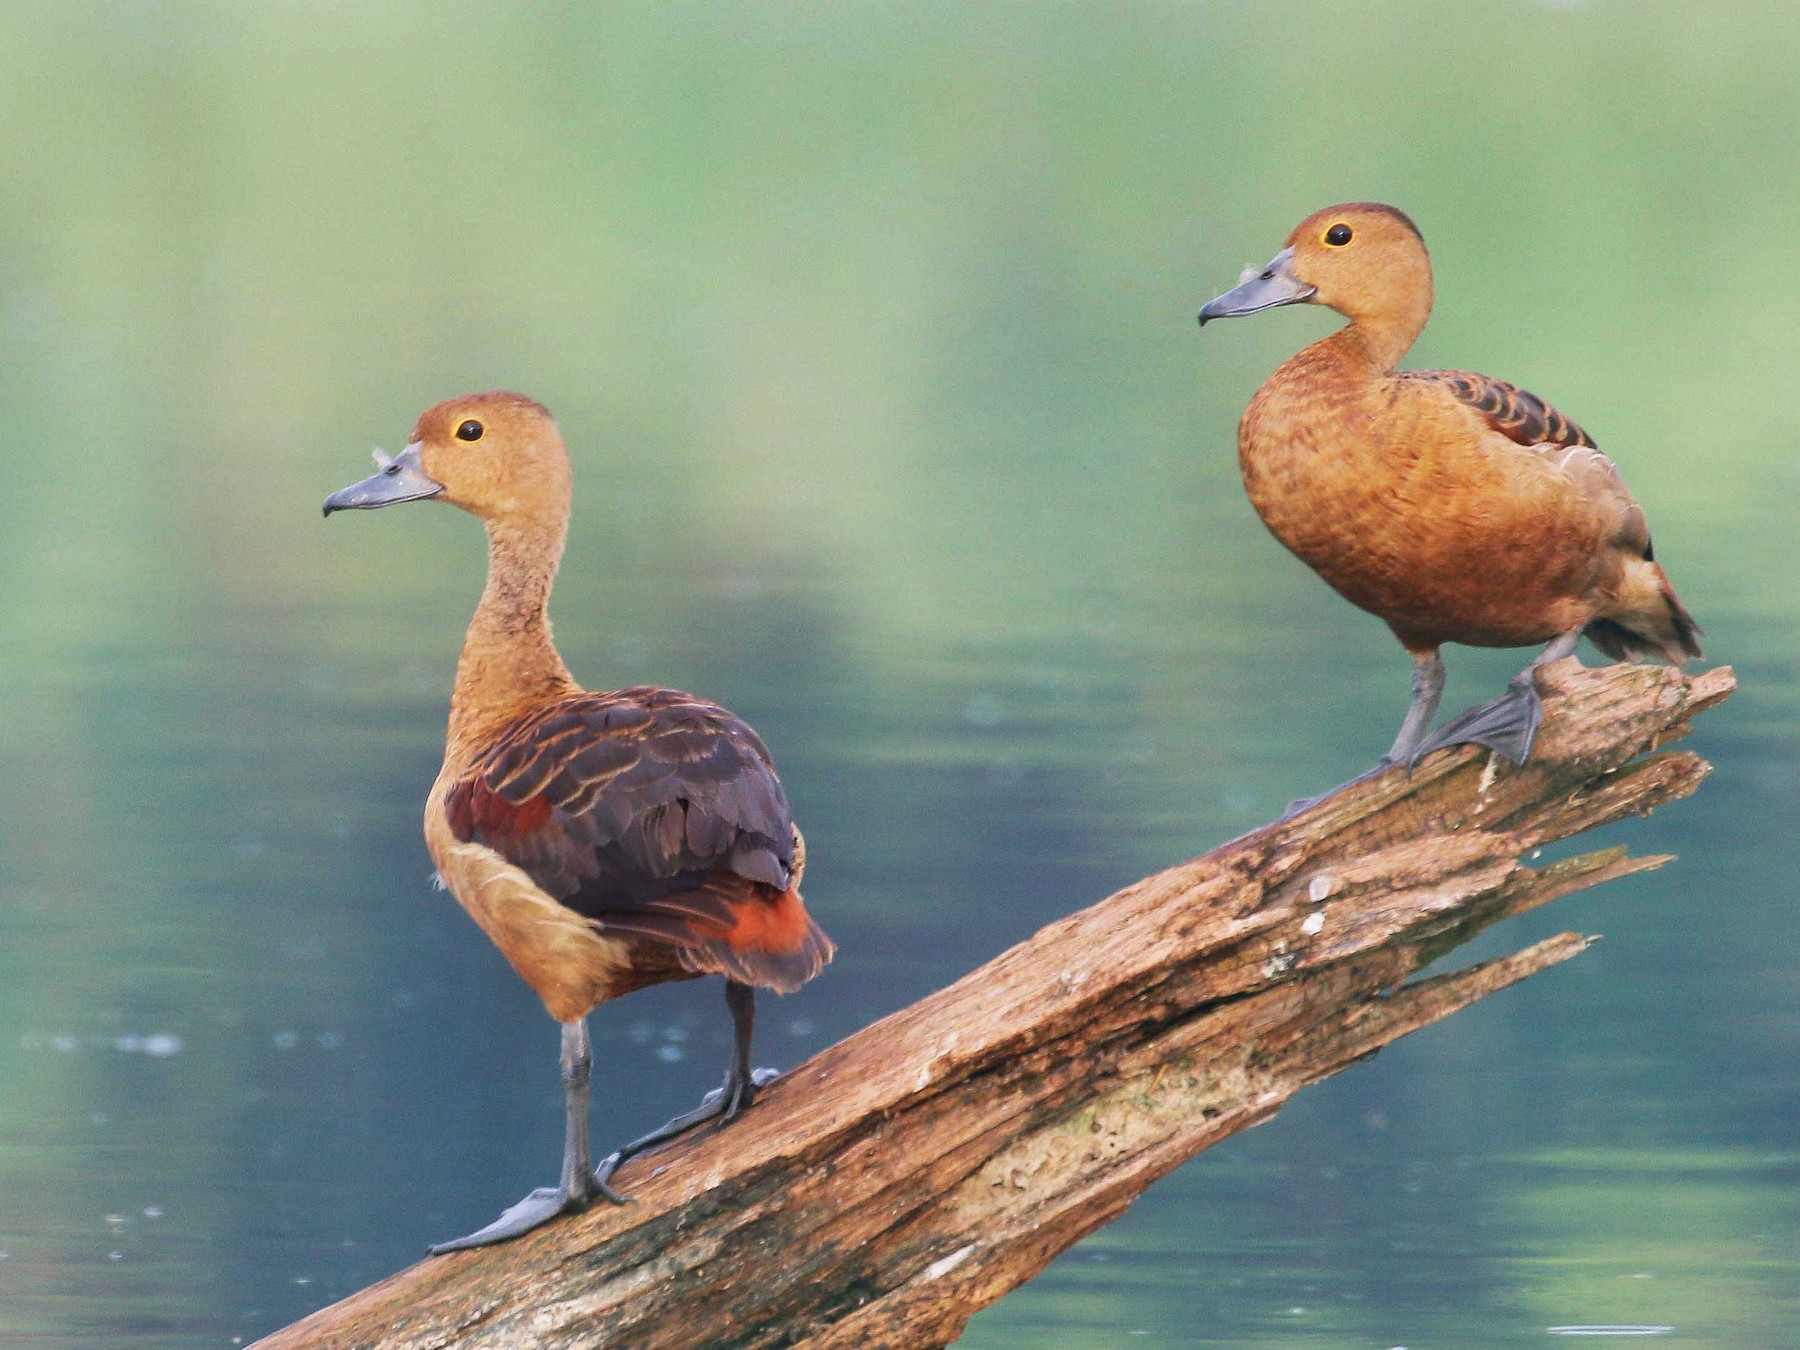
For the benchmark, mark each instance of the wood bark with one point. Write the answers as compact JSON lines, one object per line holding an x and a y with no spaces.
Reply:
{"x":886,"y":1189}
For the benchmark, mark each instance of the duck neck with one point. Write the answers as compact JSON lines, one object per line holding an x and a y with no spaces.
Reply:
{"x":509,"y":662}
{"x":1378,"y":341}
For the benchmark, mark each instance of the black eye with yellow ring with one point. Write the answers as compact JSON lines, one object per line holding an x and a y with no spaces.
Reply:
{"x":1338,"y":235}
{"x":469,"y":431}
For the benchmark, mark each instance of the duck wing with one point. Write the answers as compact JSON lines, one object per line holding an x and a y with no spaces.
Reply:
{"x":654,"y":813}
{"x":1553,"y":442}
{"x":1646,"y":621}
{"x":1518,"y":414}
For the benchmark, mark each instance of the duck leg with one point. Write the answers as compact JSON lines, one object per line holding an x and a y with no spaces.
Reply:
{"x":579,"y":1186}
{"x":1427,"y":689}
{"x":1507,"y":725}
{"x":723,"y":1102}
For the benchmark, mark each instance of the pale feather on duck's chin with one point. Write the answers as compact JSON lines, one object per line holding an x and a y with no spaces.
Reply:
{"x":1273,"y":286}
{"x":401,"y":478}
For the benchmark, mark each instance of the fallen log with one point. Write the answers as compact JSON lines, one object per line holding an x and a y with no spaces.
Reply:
{"x":885,"y":1190}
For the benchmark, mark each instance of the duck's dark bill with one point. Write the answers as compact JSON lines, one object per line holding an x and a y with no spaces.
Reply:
{"x":1275,"y":285}
{"x":400,"y":480}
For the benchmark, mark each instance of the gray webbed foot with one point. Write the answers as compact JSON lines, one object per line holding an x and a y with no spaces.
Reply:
{"x":579,"y":1187}
{"x":721,"y":1104}
{"x":1300,"y":804}
{"x":535,"y":1210}
{"x":1507,"y":725}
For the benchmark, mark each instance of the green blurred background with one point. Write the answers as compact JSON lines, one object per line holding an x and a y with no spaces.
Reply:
{"x":872,"y":330}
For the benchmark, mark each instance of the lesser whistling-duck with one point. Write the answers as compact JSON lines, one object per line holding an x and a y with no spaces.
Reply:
{"x":603,"y":841}
{"x":1456,"y":507}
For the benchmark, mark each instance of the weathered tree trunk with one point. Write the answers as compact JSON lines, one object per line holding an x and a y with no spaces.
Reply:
{"x":882,"y":1192}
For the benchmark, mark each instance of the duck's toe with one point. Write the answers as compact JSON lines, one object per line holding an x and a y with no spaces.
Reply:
{"x":721,"y":1104}
{"x":535,"y":1210}
{"x":1300,"y":804}
{"x":1507,"y":725}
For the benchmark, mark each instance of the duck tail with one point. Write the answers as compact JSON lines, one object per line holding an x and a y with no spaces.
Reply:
{"x":731,"y":926}
{"x":772,"y":943}
{"x":1650,"y":624}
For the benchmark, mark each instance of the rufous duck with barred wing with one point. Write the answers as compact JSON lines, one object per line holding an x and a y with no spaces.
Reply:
{"x":604,"y":842}
{"x":1456,"y":507}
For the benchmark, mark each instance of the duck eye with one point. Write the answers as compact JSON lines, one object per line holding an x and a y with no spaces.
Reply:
{"x":469,"y":431}
{"x":1338,"y":235}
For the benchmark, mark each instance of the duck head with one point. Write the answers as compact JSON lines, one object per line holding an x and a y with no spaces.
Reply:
{"x":498,"y":456}
{"x":1363,"y":259}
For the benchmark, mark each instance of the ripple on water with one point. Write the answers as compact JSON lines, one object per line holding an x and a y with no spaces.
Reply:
{"x":1600,"y":1329}
{"x":156,"y":1044}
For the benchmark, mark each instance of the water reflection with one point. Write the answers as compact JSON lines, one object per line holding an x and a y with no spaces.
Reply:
{"x":872,"y":335}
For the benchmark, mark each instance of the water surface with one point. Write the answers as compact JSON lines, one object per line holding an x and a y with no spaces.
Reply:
{"x":872,"y":332}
